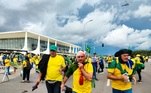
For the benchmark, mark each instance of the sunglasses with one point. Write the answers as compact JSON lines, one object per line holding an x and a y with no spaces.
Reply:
{"x":80,"y":56}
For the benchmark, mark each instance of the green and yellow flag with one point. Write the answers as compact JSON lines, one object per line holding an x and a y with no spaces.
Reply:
{"x":88,"y":49}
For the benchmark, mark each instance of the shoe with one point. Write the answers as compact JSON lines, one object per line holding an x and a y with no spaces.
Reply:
{"x":139,"y":81}
{"x":23,"y":81}
{"x":101,"y":72}
{"x":24,"y":91}
{"x":96,"y":79}
{"x":27,"y":81}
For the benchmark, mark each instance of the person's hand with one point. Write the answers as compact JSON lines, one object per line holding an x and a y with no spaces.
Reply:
{"x":80,"y":65}
{"x":62,"y":87}
{"x":134,"y":78}
{"x":125,"y":78}
{"x":36,"y":85}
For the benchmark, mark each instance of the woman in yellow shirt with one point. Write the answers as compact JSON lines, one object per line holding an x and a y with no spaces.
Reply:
{"x":26,"y":70}
{"x":15,"y":63}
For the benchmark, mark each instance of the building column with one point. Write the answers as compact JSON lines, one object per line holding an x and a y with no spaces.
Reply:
{"x":25,"y":43}
{"x":37,"y":50}
{"x":47,"y":51}
{"x":55,"y":43}
{"x":70,"y":49}
{"x":38,"y":47}
{"x":48,"y":47}
{"x":76,"y":50}
{"x":73,"y":49}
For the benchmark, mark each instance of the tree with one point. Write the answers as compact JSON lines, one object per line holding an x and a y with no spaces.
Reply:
{"x":142,"y":52}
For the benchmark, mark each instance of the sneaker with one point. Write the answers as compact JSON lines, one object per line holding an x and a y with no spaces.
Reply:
{"x":139,"y":81}
{"x":101,"y":73}
{"x":23,"y":81}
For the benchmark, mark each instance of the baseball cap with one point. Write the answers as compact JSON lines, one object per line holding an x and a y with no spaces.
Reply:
{"x":53,"y":47}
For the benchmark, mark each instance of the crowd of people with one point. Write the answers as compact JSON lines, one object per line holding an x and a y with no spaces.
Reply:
{"x":56,"y":69}
{"x":16,"y":61}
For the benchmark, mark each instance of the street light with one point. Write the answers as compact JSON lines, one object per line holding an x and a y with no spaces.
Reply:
{"x":84,"y":32}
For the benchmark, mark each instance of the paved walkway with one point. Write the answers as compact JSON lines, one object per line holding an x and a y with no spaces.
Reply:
{"x":14,"y":85}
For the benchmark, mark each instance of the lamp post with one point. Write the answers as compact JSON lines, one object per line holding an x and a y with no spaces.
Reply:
{"x":84,"y":26}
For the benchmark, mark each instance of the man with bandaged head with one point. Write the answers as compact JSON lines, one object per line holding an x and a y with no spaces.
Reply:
{"x":82,"y":72}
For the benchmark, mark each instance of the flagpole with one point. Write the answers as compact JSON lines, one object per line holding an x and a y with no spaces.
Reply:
{"x":84,"y":26}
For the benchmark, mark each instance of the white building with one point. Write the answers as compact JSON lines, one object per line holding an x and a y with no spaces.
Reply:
{"x":34,"y":43}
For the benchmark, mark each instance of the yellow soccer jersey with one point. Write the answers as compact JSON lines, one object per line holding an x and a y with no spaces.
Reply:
{"x":7,"y":62}
{"x":115,"y":70}
{"x":87,"y":86}
{"x":54,"y":66}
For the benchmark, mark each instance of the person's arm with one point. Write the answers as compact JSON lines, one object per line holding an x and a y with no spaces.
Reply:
{"x":69,"y":72}
{"x":113,"y":77}
{"x":134,"y":78}
{"x":63,"y":66}
{"x":111,"y":69}
{"x":38,"y":78}
{"x":63,"y":83}
{"x":37,"y":81}
{"x":87,"y":75}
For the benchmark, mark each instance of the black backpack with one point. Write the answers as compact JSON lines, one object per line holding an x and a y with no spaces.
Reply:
{"x":29,"y":65}
{"x":142,"y":60}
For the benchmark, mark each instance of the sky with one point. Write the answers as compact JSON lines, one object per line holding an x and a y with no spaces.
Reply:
{"x":90,"y":22}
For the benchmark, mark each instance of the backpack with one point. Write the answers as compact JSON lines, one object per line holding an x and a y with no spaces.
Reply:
{"x":142,"y":60}
{"x":29,"y":65}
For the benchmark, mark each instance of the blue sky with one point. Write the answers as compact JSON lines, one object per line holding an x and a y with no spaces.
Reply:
{"x":114,"y":25}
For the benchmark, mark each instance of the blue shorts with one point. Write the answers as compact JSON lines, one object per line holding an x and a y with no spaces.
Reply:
{"x":122,"y":91}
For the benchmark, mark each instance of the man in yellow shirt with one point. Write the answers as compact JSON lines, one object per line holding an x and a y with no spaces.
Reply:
{"x":82,"y":75}
{"x":7,"y":65}
{"x":51,"y":67}
{"x":15,"y":63}
{"x":119,"y":71}
{"x":139,"y":61}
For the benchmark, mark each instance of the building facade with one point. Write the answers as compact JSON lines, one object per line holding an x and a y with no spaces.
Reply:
{"x":34,"y":43}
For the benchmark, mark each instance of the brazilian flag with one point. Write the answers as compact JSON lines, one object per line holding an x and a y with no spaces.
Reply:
{"x":88,"y":49}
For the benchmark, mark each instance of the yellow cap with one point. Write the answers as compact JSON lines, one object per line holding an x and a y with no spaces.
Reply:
{"x":138,"y":55}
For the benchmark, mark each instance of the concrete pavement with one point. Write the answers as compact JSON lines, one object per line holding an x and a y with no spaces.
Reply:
{"x":14,"y":85}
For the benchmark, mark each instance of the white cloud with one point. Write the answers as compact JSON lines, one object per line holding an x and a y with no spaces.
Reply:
{"x":139,"y":38}
{"x":124,"y":37}
{"x":118,"y":37}
{"x":143,"y":11}
{"x":14,"y":4}
{"x":145,"y":45}
{"x":2,"y":20}
{"x":94,"y":30}
{"x":93,"y":2}
{"x":38,"y":27}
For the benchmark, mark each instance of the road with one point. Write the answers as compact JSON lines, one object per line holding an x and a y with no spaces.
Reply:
{"x":14,"y":85}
